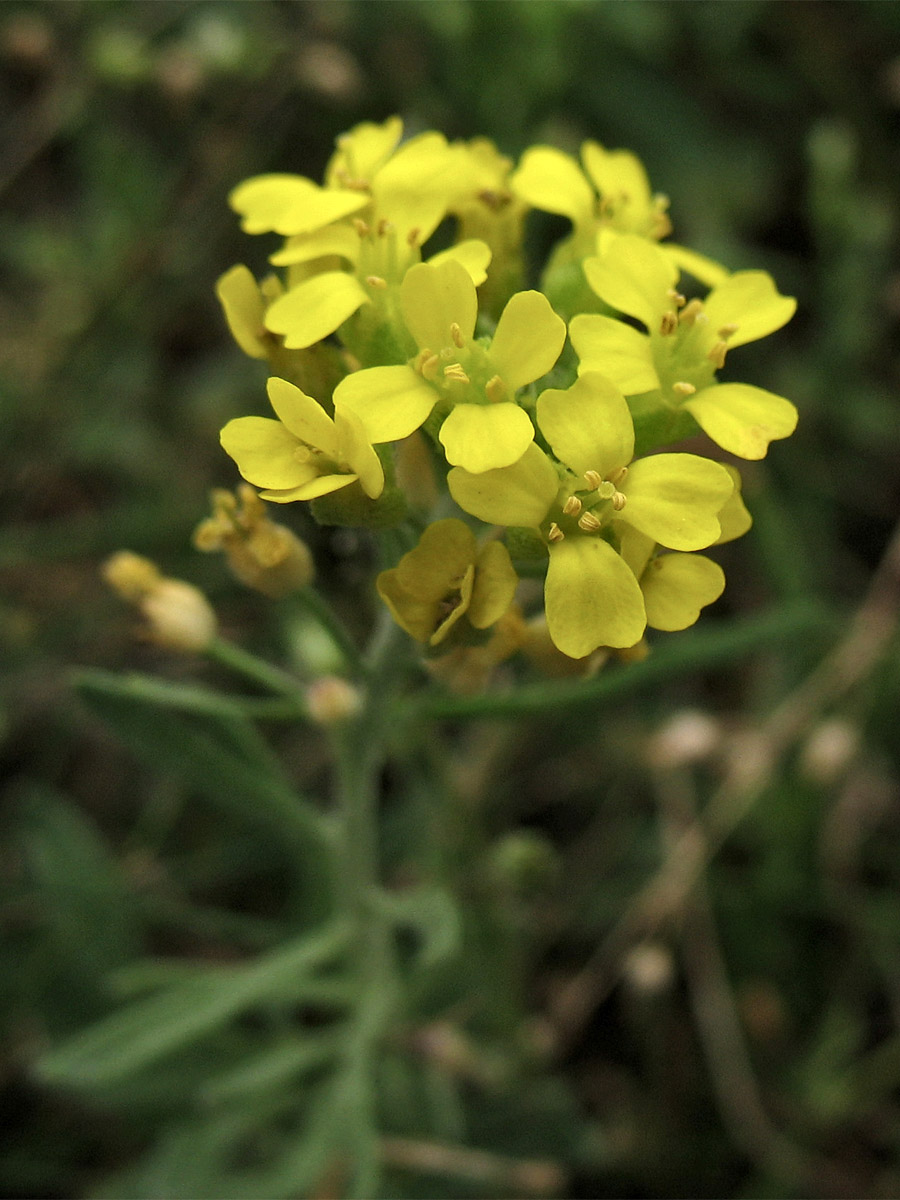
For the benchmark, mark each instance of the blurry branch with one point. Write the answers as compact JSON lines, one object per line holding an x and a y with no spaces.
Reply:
{"x":751,"y":768}
{"x":520,"y":1176}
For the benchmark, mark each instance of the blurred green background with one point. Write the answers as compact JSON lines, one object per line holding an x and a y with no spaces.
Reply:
{"x":775,"y":129}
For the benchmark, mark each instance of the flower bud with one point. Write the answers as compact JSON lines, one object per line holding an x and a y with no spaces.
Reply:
{"x":332,"y":700}
{"x":178,"y":615}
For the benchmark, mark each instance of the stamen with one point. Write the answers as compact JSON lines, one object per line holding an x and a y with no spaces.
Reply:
{"x":618,"y":501}
{"x":429,"y":367}
{"x":691,"y":312}
{"x":572,"y":506}
{"x":588,"y":522}
{"x":376,"y":281}
{"x":727,"y":330}
{"x":361,"y":227}
{"x":456,"y":334}
{"x":384,"y":226}
{"x":413,"y":237}
{"x":676,"y":297}
{"x":617,"y":476}
{"x":669,"y":323}
{"x":495,"y":389}
{"x":593,"y":479}
{"x":683,"y":388}
{"x":717,"y":355}
{"x":554,"y":533}
{"x":455,"y":372}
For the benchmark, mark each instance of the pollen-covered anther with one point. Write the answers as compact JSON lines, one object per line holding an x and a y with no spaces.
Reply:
{"x":727,"y":330}
{"x":676,"y":297}
{"x":690,"y":312}
{"x":589,"y":523}
{"x":593,"y":479}
{"x":572,"y":506}
{"x":413,"y":236}
{"x":495,"y":389}
{"x":617,"y":476}
{"x":683,"y":388}
{"x":554,"y":533}
{"x":427,"y":365}
{"x":376,"y":281}
{"x":456,"y":334}
{"x":455,"y":372}
{"x":384,"y":226}
{"x":717,"y":355}
{"x":618,"y":501}
{"x":669,"y":323}
{"x":361,"y":227}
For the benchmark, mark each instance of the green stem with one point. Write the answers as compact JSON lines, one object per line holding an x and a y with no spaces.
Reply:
{"x":244,"y":663}
{"x":319,"y":608}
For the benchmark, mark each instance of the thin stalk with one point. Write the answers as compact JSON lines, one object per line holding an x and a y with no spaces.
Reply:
{"x":242,"y":662}
{"x":324,"y":614}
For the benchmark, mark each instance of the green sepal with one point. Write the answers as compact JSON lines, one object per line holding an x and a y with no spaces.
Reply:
{"x":350,"y":506}
{"x":376,"y":340}
{"x":524,"y":544}
{"x":656,"y":425}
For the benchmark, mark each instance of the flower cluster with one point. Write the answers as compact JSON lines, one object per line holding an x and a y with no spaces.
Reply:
{"x":416,"y":383}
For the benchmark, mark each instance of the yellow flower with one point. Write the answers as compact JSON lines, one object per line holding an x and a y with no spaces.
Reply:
{"x":304,"y":453}
{"x":445,"y":578}
{"x":672,"y":365}
{"x":592,"y":597}
{"x":472,"y":386}
{"x":262,"y":554}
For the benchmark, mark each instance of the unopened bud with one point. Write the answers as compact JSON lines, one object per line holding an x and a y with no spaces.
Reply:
{"x":829,"y":750}
{"x":130,"y":575}
{"x":331,"y":700}
{"x":649,"y":968}
{"x":179,"y":616}
{"x":687,"y":737}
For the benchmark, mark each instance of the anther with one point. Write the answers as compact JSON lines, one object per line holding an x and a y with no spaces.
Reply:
{"x":554,"y":533}
{"x":618,"y":501}
{"x":669,"y":323}
{"x":683,"y":388}
{"x":429,"y":366}
{"x":717,"y":355}
{"x":572,"y":506}
{"x":376,"y":281}
{"x":588,"y":522}
{"x":593,"y":479}
{"x":676,"y":297}
{"x":727,"y":330}
{"x":495,"y":389}
{"x":456,"y":334}
{"x":384,"y":226}
{"x":455,"y":372}
{"x":413,"y":237}
{"x":691,"y":312}
{"x":617,"y":476}
{"x":361,"y":227}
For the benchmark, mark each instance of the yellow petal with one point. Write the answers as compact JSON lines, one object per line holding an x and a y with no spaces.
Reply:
{"x":588,"y":425}
{"x":528,"y":339}
{"x":362,"y":150}
{"x":289,"y":204}
{"x":445,"y":551}
{"x":265,"y":452}
{"x":391,"y":402}
{"x":677,"y":586}
{"x":620,"y":178}
{"x":706,"y":270}
{"x":591,"y":597}
{"x":356,"y":451}
{"x":616,"y":350}
{"x":303,"y":416}
{"x":734,"y":519}
{"x":495,"y":585}
{"x":413,"y":188}
{"x":340,"y":240}
{"x":472,"y":254}
{"x":750,"y":300}
{"x":742,"y":419}
{"x":634,"y":276}
{"x":516,"y":495}
{"x":676,"y":498}
{"x":483,"y":437}
{"x":315,"y":308}
{"x":433,"y":298}
{"x":320,"y":485}
{"x":242,"y":302}
{"x":552,"y":181}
